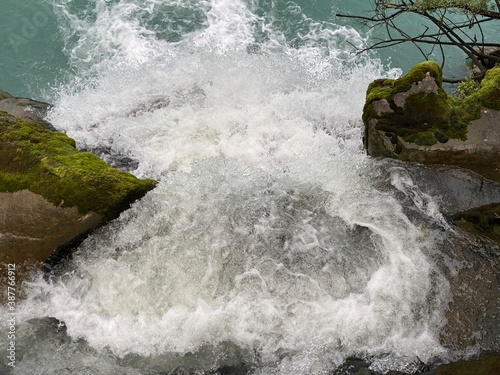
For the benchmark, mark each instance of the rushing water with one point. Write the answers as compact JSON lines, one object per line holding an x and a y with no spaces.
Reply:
{"x":272,"y":244}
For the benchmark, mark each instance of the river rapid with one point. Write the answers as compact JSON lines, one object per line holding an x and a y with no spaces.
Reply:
{"x":272,"y":244}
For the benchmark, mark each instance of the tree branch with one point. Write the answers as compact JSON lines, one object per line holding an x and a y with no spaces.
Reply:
{"x":449,"y":32}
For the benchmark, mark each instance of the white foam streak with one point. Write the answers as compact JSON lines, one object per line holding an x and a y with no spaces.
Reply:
{"x":110,"y":35}
{"x":426,"y":204}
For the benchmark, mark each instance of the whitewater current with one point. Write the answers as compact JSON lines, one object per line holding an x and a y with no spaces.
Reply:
{"x":272,"y":241}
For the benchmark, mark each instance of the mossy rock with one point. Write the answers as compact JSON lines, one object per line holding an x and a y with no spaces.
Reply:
{"x":414,"y":119}
{"x":417,"y":74}
{"x":489,"y":92}
{"x":416,"y":108}
{"x":47,"y":163}
{"x":422,"y":113}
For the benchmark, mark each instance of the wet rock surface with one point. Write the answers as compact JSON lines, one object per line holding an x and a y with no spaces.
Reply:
{"x":413,"y":120}
{"x":487,"y":365}
{"x":25,"y":108}
{"x":484,"y":220}
{"x":470,"y":259}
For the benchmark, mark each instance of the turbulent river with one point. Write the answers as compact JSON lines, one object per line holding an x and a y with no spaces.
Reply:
{"x":272,"y":243}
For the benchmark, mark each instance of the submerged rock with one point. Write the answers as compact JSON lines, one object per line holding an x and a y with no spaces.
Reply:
{"x":414,"y":119}
{"x":50,"y":193}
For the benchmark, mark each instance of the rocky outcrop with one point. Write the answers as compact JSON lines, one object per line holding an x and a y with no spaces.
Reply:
{"x":414,"y":119}
{"x":50,"y":193}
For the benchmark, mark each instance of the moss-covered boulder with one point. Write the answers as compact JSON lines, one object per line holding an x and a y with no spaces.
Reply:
{"x":47,"y":163}
{"x":414,"y":119}
{"x":50,"y":193}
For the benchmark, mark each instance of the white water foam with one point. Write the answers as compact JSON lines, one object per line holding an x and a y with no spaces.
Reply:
{"x":231,"y":254}
{"x":425,"y":203}
{"x":260,"y":110}
{"x":191,"y":102}
{"x":230,"y":27}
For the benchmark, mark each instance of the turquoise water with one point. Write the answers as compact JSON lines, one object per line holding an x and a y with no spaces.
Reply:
{"x":273,"y":244}
{"x":37,"y":50}
{"x":38,"y":45}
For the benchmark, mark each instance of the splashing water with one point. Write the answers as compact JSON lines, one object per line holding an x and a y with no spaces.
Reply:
{"x":271,"y":239}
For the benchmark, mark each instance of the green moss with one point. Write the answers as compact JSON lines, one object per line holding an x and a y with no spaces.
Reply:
{"x":47,"y":163}
{"x":378,"y":93}
{"x":378,"y":89}
{"x":427,"y":138}
{"x":489,"y":92}
{"x":464,"y":111}
{"x":466,"y":88}
{"x":418,"y":73}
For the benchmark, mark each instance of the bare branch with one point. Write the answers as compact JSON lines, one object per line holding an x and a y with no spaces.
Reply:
{"x":447,"y":30}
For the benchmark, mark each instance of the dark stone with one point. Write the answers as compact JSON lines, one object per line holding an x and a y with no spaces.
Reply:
{"x":487,"y":365}
{"x":484,"y":220}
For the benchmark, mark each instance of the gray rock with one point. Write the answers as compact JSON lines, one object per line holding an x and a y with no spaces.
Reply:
{"x":24,"y":108}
